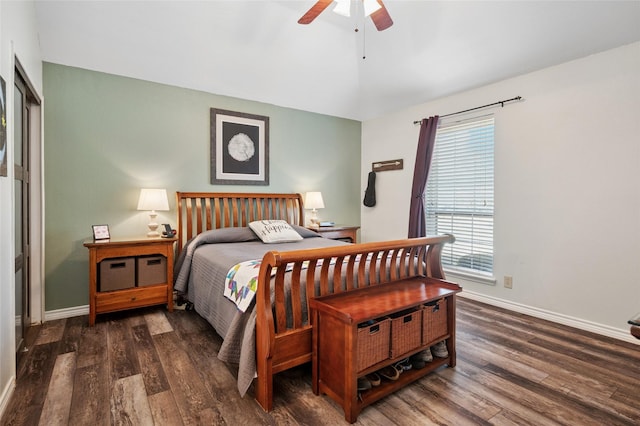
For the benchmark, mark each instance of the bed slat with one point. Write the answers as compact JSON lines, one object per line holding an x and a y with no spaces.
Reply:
{"x":280,"y":307}
{"x":296,"y":295}
{"x":351,"y":282}
{"x":337,"y":275}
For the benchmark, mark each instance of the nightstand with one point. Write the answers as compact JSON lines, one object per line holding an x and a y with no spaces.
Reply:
{"x":129,"y":273}
{"x":338,"y":232}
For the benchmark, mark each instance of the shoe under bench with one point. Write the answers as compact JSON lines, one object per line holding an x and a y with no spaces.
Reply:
{"x":361,"y":331}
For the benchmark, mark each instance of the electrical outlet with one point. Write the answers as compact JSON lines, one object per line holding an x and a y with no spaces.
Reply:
{"x":508,"y":281}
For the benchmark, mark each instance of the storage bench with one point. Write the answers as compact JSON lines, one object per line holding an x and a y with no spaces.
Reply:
{"x":420,"y":312}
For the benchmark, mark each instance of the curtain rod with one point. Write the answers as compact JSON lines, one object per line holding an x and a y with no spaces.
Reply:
{"x":501,"y":103}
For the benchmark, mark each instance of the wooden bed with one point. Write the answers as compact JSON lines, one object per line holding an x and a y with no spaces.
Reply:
{"x":279,"y":345}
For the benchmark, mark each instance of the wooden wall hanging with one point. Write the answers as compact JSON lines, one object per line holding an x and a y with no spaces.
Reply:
{"x":381,"y":166}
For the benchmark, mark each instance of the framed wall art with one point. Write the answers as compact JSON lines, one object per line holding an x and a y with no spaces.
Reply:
{"x":3,"y":128}
{"x":239,"y":148}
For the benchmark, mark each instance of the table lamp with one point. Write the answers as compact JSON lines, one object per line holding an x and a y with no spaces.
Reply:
{"x":313,"y":201}
{"x":152,"y":200}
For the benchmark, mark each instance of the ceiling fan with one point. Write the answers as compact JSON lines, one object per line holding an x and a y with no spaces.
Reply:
{"x":374,"y":8}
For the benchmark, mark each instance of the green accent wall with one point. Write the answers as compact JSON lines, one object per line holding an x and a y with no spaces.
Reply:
{"x":107,"y":136}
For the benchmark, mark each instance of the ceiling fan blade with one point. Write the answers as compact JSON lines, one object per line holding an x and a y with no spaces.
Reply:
{"x":381,"y":18}
{"x":315,"y":10}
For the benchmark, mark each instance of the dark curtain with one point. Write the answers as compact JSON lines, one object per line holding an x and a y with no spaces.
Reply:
{"x":426,"y":141}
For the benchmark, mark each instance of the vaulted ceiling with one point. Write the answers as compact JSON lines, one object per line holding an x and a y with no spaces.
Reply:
{"x":256,"y":49}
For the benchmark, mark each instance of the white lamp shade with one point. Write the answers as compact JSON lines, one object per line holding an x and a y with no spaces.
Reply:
{"x":153,"y":199}
{"x":313,"y":200}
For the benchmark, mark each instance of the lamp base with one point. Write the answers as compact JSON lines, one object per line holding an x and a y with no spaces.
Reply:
{"x":153,"y":225}
{"x":314,"y":222}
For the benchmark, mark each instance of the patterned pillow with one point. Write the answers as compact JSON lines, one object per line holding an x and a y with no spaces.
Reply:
{"x":274,"y":231}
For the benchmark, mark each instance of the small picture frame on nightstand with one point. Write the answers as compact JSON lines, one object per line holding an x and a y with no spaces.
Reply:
{"x":100,"y":232}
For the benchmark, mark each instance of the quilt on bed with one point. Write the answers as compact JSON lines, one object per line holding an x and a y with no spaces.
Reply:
{"x":201,"y":269}
{"x":241,"y":282}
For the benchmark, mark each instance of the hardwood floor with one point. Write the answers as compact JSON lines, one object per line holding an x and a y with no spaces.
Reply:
{"x":148,"y":367}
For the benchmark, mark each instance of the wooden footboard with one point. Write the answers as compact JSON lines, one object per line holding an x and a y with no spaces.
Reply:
{"x":283,"y":344}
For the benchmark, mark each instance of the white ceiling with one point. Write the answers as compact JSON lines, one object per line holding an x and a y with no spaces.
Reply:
{"x":256,"y":49}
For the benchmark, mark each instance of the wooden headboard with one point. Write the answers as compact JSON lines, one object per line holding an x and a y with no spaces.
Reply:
{"x":202,"y":211}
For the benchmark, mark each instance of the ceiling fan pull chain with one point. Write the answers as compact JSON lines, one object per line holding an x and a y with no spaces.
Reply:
{"x":364,"y":32}
{"x":364,"y":42}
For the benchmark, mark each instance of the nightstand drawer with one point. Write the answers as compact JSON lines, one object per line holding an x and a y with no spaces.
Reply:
{"x":131,"y":298}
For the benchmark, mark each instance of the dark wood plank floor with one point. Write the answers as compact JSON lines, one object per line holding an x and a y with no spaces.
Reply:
{"x":148,"y":367}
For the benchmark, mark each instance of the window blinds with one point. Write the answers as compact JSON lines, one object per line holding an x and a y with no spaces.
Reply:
{"x":459,"y":195}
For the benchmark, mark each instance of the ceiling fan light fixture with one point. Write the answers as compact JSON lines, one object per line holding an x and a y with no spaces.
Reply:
{"x":343,"y":7}
{"x":373,"y":8}
{"x":370,"y":6}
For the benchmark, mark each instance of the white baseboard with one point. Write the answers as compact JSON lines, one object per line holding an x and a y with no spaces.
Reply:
{"x":74,"y":311}
{"x":7,"y":392}
{"x":604,"y":330}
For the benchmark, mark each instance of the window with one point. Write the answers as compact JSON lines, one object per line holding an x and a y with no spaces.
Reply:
{"x":459,"y":195}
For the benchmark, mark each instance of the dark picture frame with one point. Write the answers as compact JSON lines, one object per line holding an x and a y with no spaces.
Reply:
{"x":100,"y":232}
{"x":239,"y":148}
{"x":3,"y":128}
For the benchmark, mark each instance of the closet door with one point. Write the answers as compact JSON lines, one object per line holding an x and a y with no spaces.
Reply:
{"x":21,"y":211}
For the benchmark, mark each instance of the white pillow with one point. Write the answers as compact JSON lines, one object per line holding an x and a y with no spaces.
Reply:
{"x":274,"y":231}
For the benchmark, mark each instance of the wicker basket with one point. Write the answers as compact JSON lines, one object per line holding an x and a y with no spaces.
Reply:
{"x":434,"y":321}
{"x":373,"y":343}
{"x":406,"y":332}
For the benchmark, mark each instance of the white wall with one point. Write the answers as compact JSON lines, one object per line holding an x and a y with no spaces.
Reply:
{"x":18,"y":37}
{"x":567,"y":188}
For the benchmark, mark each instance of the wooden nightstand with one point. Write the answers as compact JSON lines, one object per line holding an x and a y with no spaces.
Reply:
{"x":136,"y":272}
{"x":338,"y":232}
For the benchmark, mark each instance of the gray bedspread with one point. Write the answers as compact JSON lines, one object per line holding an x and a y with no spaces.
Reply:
{"x":201,"y":269}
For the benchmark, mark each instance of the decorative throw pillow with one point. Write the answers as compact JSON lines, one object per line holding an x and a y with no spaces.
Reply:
{"x":274,"y":231}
